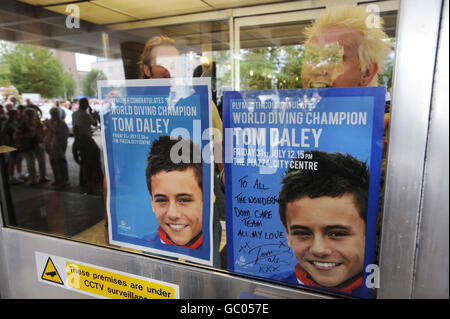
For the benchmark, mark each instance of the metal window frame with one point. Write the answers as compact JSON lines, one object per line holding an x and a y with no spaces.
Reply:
{"x":433,"y":248}
{"x":417,"y":39}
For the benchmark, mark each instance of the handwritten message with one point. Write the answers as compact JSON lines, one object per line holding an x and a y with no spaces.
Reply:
{"x":262,"y":247}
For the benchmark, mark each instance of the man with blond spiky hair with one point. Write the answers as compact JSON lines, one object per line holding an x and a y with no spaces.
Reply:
{"x":344,"y":48}
{"x":324,"y":212}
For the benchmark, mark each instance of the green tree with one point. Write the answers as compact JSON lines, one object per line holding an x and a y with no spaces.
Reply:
{"x":69,"y":85}
{"x":33,"y":70}
{"x":89,"y":82}
{"x":272,"y":67}
{"x":258,"y":68}
{"x":289,"y":76}
{"x":223,"y":65}
{"x":385,"y":77}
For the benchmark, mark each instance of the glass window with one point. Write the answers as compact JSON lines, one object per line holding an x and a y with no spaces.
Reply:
{"x":54,"y":167}
{"x":322,"y":50}
{"x":68,"y":191}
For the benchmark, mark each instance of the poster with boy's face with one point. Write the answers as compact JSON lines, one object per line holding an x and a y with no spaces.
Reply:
{"x":304,"y":171}
{"x":159,"y":185}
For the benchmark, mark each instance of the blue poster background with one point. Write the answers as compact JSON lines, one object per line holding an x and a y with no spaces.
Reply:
{"x":133,"y":117}
{"x":256,"y":240}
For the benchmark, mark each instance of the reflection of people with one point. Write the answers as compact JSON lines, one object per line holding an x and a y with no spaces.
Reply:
{"x":83,"y":119}
{"x":86,"y":153}
{"x":324,"y":213}
{"x":29,"y":136}
{"x":156,"y":62}
{"x":208,"y":69}
{"x":344,"y":50}
{"x":58,"y":133}
{"x":33,"y":106}
{"x":162,"y":49}
{"x":176,"y":193}
{"x":6,"y":138}
{"x":364,"y":50}
{"x":155,"y":49}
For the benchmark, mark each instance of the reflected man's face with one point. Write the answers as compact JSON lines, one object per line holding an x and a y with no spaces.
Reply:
{"x":177,"y":202}
{"x":325,"y":75}
{"x":327,"y":236}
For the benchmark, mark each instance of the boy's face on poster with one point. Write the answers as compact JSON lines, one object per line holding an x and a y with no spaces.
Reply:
{"x":177,"y":201}
{"x":327,"y":236}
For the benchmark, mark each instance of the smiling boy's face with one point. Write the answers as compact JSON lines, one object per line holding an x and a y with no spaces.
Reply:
{"x":327,"y":236}
{"x":177,"y":201}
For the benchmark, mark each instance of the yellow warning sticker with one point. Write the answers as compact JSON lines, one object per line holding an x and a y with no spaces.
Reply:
{"x":113,"y":285}
{"x":50,"y":273}
{"x":99,"y":281}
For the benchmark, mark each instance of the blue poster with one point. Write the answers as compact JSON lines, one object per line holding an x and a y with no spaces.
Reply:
{"x":302,"y":175}
{"x":158,"y":171}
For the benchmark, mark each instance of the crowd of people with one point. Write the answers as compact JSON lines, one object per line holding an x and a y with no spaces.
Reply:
{"x":34,"y":138}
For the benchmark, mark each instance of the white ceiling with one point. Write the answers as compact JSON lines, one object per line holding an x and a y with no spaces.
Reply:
{"x":192,"y":23}
{"x":115,"y":11}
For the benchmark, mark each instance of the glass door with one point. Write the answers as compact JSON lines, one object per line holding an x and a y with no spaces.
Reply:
{"x":269,"y":55}
{"x":268,"y":50}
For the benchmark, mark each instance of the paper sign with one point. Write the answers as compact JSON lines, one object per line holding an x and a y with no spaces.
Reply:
{"x":272,"y":139}
{"x":149,"y":127}
{"x":99,"y":281}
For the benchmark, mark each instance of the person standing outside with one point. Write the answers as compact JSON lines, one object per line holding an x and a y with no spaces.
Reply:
{"x":6,"y":138}
{"x":364,"y":48}
{"x":59,"y":133}
{"x":324,"y":214}
{"x":29,"y":136}
{"x":86,"y":153}
{"x":61,"y":110}
{"x":82,"y":124}
{"x":158,"y":61}
{"x":83,"y":119}
{"x":12,"y":99}
{"x":347,"y":52}
{"x":33,"y":106}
